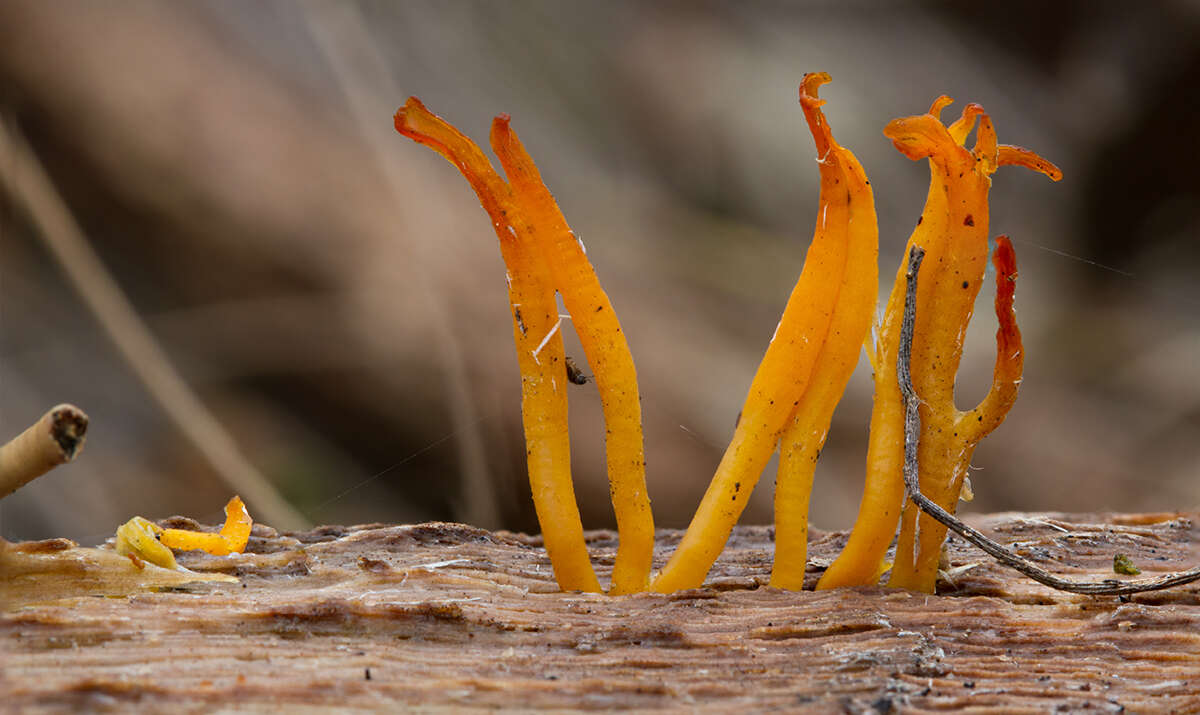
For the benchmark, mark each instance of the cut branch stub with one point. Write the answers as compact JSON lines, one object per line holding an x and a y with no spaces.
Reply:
{"x":54,"y":439}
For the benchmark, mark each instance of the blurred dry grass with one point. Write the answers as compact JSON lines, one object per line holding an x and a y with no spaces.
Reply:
{"x":334,"y":293}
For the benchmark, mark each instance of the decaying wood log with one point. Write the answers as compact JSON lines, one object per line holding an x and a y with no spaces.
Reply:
{"x":447,"y":616}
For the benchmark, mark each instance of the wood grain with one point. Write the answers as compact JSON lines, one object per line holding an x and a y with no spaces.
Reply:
{"x":449,"y":617}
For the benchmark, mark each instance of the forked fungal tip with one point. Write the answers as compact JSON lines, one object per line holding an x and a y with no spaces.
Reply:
{"x":809,"y":85}
{"x":973,"y":109}
{"x":939,"y":104}
{"x":411,"y":111}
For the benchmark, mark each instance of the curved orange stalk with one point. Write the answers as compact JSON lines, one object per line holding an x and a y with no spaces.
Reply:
{"x":953,"y":232}
{"x":778,"y":385}
{"x":607,"y":352}
{"x":185,"y":540}
{"x":861,"y":559}
{"x":539,"y":347}
{"x":232,"y":538}
{"x":236,"y":531}
{"x":842,"y":181}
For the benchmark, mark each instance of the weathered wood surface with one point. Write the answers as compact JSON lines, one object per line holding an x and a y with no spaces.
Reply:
{"x":446,"y":616}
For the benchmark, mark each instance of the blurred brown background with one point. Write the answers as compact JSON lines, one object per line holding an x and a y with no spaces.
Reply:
{"x":333,"y":292}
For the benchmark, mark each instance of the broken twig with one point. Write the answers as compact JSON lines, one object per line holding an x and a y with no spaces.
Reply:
{"x":912,"y":431}
{"x":53,"y":440}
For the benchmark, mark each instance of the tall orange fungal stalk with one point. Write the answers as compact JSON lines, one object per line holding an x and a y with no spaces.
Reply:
{"x":544,"y":256}
{"x":803,"y":373}
{"x":607,"y":352}
{"x":539,"y":347}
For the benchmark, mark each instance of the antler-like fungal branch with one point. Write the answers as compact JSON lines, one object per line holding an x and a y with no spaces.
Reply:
{"x":912,"y":437}
{"x":953,"y":231}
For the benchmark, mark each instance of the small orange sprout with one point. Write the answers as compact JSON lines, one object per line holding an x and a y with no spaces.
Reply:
{"x":138,"y":539}
{"x":231,"y":539}
{"x":953,"y":231}
{"x":144,"y":541}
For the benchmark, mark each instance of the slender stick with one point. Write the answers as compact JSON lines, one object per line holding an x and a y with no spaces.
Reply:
{"x":30,"y":186}
{"x":53,"y":440}
{"x":912,"y":431}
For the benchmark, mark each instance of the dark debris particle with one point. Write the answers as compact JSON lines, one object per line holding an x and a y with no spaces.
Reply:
{"x":183,"y":522}
{"x":366,"y":563}
{"x":444,"y":533}
{"x":322,"y":534}
{"x":46,"y":546}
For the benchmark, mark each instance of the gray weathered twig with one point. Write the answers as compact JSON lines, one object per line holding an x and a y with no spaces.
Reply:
{"x":912,"y":432}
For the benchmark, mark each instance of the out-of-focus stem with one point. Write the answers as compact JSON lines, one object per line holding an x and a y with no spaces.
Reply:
{"x":25,"y":178}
